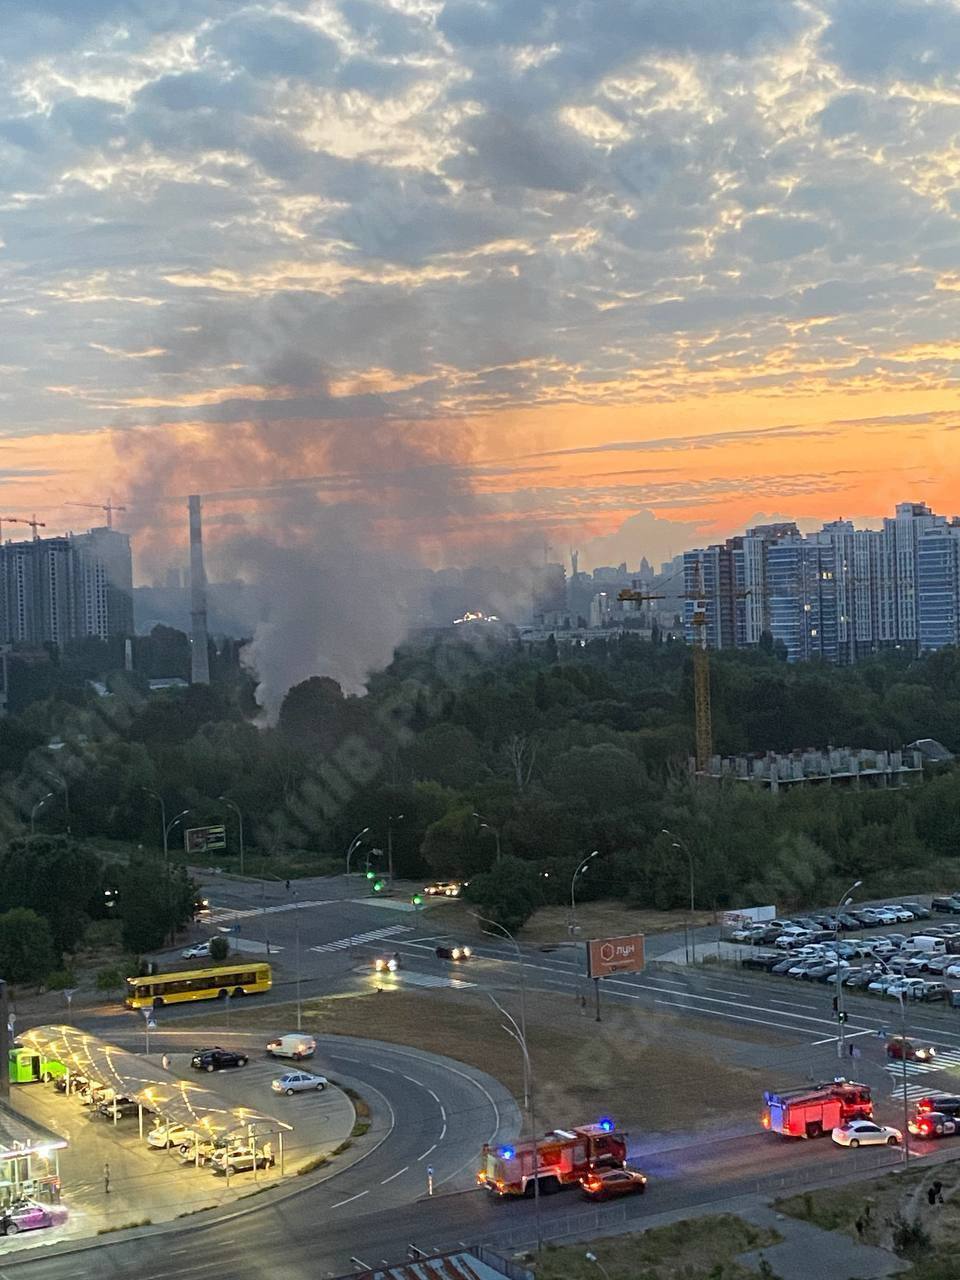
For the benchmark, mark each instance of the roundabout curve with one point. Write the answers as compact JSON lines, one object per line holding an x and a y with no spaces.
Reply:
{"x":427,"y":1113}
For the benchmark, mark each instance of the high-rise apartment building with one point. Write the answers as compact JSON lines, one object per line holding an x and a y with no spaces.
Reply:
{"x":938,"y":587}
{"x":53,"y":590}
{"x":837,"y":594}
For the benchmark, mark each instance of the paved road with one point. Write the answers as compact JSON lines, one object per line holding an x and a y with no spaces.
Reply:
{"x":424,"y":1113}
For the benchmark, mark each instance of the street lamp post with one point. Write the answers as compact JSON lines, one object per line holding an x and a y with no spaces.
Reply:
{"x":685,"y":848}
{"x":163,"y":813}
{"x":903,"y":1060}
{"x":35,"y":810}
{"x":523,"y":992}
{"x":61,"y":781}
{"x":518,"y":1034}
{"x":494,"y":831}
{"x":296,"y":916}
{"x":397,"y":817}
{"x":236,"y":809}
{"x":354,"y":845}
{"x":845,"y":901}
{"x":573,"y":890}
{"x":166,"y":863}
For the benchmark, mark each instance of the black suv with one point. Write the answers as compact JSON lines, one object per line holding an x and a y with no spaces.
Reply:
{"x":120,"y":1108}
{"x":950,"y":904}
{"x":945,"y":1106}
{"x":216,"y":1059}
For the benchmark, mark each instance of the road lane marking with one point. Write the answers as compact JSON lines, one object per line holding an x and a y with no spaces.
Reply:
{"x":735,"y":1017}
{"x":350,"y":1199}
{"x":384,"y":1181}
{"x":847,"y":1035}
{"x":793,"y":1004}
{"x":426,"y":1153}
{"x":443,"y":1134}
{"x":232,"y":913}
{"x":432,"y":980}
{"x":358,"y":939}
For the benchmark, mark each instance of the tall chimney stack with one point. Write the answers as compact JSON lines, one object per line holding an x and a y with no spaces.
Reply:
{"x":199,"y":658}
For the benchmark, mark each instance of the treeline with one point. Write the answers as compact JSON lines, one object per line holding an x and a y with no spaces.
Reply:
{"x":58,"y":895}
{"x":559,"y":752}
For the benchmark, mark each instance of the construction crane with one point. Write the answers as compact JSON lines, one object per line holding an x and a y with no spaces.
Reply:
{"x":107,"y":506}
{"x":34,"y":524}
{"x":703,"y":721}
{"x":702,"y":711}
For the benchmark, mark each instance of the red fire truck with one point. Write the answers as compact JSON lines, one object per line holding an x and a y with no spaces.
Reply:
{"x":562,"y":1157}
{"x":808,"y":1113}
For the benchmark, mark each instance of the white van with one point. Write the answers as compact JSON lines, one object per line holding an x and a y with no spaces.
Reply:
{"x":925,"y":944}
{"x":295,"y":1045}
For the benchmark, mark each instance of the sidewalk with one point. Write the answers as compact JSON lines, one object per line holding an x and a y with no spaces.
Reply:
{"x":153,"y":1186}
{"x":807,"y":1251}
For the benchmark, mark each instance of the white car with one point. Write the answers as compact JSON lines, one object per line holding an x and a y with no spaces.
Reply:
{"x":887,"y":915}
{"x":199,"y":951}
{"x":170,"y":1135}
{"x":864,"y":1133}
{"x":952,"y":970}
{"x":792,"y":938}
{"x":904,"y":914}
{"x":295,"y":1044}
{"x":299,"y":1082}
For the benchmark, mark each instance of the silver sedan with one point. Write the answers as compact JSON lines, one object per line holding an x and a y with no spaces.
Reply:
{"x":298,"y":1082}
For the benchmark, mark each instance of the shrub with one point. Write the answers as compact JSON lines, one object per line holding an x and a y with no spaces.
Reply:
{"x":59,"y":979}
{"x":219,"y":948}
{"x":110,"y":979}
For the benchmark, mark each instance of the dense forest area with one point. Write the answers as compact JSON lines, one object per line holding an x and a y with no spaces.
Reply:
{"x":559,"y":752}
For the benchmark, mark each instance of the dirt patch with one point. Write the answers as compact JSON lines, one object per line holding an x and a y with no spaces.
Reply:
{"x":550,"y":925}
{"x":582,"y":1068}
{"x":894,"y":1213}
{"x":694,"y":1250}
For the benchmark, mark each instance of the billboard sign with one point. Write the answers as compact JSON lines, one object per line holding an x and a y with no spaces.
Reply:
{"x":607,"y":956}
{"x":205,"y":839}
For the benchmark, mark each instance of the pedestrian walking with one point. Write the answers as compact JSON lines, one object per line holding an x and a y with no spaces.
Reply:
{"x":860,"y":1224}
{"x":935,"y":1193}
{"x":165,"y":1062}
{"x":287,"y":885}
{"x":106,"y":1178}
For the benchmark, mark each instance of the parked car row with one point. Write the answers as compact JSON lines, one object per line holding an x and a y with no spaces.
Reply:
{"x":818,"y":926}
{"x":917,"y":966}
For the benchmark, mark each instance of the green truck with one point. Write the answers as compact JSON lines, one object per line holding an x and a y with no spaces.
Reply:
{"x":27,"y":1065}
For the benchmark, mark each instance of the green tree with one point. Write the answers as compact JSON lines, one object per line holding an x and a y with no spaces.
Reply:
{"x":508,"y":893}
{"x":27,"y":951}
{"x":219,"y":948}
{"x":154,"y":902}
{"x":56,"y":877}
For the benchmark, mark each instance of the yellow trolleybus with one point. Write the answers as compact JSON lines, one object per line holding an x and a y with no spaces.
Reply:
{"x":241,"y":979}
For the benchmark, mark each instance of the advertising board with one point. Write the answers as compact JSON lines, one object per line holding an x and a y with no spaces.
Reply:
{"x":607,"y":956}
{"x":205,"y":839}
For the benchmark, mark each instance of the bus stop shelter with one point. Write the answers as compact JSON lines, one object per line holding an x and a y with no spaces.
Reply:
{"x":29,"y":1160}
{"x":156,"y":1091}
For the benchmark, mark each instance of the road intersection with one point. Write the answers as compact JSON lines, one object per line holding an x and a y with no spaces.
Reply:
{"x":430,"y":1112}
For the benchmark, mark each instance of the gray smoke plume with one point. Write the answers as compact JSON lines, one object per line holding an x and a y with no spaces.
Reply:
{"x":330,"y":520}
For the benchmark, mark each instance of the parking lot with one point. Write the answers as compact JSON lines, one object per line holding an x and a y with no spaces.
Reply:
{"x":909,"y":949}
{"x":112,"y":1176}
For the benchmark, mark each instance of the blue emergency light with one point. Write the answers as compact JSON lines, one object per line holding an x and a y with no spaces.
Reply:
{"x":606,"y":1124}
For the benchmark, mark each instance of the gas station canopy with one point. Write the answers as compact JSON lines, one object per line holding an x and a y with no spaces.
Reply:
{"x":130,"y":1075}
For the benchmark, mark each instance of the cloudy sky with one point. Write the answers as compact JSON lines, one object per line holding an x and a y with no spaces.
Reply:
{"x":630,"y":270}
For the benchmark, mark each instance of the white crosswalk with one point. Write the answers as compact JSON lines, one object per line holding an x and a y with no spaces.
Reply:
{"x":916,"y":1091}
{"x":431,"y":980}
{"x":945,"y":1058}
{"x":358,"y":939}
{"x":219,"y":915}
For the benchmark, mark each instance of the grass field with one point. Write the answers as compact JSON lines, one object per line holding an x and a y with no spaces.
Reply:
{"x":582,"y":1068}
{"x":894,"y":1213}
{"x":549,"y":925}
{"x":698,"y":1249}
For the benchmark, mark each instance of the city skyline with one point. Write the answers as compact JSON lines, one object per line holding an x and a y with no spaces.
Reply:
{"x":490,"y":276}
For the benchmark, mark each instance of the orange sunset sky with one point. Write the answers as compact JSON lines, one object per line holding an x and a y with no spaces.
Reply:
{"x":623,"y":276}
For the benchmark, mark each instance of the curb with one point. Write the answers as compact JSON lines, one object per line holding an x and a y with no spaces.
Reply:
{"x":124,"y":1235}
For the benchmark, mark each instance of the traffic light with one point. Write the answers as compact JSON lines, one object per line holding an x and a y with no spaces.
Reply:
{"x":378,"y":886}
{"x":842,"y":1017}
{"x":370,"y":875}
{"x":417,"y":900}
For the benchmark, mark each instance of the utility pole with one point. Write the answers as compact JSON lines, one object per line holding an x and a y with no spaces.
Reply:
{"x":390,"y":821}
{"x":236,"y":809}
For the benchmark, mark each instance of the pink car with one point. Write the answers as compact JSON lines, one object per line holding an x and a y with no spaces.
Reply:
{"x":27,"y":1215}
